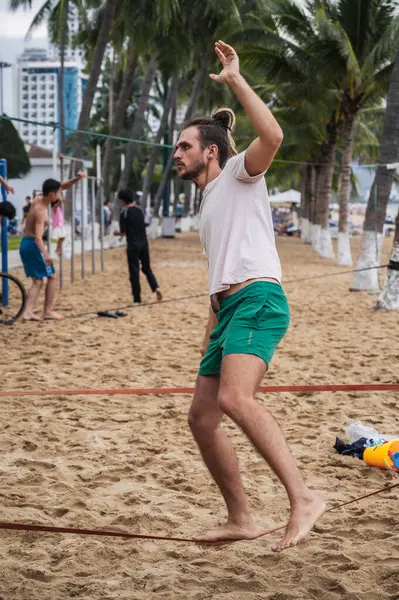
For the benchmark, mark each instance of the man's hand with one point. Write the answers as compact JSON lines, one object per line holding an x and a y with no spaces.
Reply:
{"x":203,"y":349}
{"x":230,"y":62}
{"x":10,"y":190}
{"x":81,"y":175}
{"x":48,"y":260}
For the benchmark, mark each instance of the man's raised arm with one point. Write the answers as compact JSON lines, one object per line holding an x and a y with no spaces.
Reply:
{"x":67,"y":184}
{"x":261,"y":152}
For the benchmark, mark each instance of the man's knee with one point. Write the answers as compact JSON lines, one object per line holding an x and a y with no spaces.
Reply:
{"x":38,"y":283}
{"x":201,"y":420}
{"x":231,"y":402}
{"x":204,"y":413}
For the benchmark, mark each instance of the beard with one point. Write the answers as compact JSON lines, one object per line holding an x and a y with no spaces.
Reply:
{"x":198,"y":167}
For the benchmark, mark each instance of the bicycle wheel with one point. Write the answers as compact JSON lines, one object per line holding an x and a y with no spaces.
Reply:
{"x":12,"y":309}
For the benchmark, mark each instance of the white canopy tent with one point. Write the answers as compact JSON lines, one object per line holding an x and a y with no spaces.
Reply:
{"x":288,"y":197}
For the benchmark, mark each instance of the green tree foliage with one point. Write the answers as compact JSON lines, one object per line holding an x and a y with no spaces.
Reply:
{"x":13,"y":150}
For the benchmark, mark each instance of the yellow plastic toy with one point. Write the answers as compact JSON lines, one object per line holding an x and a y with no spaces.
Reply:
{"x":385,"y":456}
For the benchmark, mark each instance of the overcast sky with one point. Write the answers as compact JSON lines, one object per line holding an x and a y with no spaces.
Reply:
{"x":16,"y":24}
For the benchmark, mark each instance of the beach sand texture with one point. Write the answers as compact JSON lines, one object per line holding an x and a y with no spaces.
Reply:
{"x":129,"y":462}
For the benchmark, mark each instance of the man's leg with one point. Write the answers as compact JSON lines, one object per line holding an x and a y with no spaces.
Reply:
{"x":146,"y":268}
{"x":240,"y":379}
{"x":31,"y":299}
{"x":134,"y":272}
{"x":49,"y":298}
{"x":219,"y":456}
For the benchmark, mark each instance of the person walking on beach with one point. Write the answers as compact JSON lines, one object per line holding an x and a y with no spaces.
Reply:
{"x":37,"y":262}
{"x":249,"y":313}
{"x":132,"y":225}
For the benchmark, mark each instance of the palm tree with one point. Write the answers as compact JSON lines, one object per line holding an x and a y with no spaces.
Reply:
{"x":105,"y":15}
{"x":357,"y":43}
{"x":138,"y":123}
{"x":378,"y":200}
{"x":169,"y":100}
{"x":345,"y":46}
{"x":140,"y":29}
{"x":280,"y":40}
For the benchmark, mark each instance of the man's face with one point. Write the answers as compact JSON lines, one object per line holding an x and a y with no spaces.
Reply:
{"x":189,"y":157}
{"x":54,"y":196}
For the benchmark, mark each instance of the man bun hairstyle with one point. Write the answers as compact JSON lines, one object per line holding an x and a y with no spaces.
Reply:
{"x":216,"y":129}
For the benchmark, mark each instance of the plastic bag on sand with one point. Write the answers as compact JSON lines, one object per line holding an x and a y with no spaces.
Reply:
{"x":357,"y":430}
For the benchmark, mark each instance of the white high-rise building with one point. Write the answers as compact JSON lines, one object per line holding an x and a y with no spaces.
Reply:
{"x":36,"y":89}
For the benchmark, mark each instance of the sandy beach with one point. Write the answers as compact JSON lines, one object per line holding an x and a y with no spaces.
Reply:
{"x":129,"y":462}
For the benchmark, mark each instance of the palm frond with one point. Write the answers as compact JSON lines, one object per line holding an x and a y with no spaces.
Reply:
{"x":41,"y":16}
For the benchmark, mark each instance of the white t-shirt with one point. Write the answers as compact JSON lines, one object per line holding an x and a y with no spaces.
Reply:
{"x":236,"y":228}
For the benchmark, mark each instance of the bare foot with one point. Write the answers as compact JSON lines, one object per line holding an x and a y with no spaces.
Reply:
{"x":159,"y":294}
{"x":302,"y":520}
{"x":231,"y":531}
{"x":30,"y":317}
{"x":52,"y":316}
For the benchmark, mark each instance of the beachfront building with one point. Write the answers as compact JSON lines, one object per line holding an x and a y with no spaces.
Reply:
{"x":36,"y":81}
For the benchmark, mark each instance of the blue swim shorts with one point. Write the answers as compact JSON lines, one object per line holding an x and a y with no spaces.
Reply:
{"x":34,"y":264}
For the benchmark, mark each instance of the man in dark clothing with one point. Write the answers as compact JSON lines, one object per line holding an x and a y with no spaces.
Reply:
{"x":132,"y":226}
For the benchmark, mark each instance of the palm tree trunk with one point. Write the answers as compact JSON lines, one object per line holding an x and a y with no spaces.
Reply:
{"x":138,"y":122}
{"x":187,"y":187}
{"x":118,"y":115}
{"x":169,"y":164}
{"x":199,"y":78}
{"x":322,"y":241}
{"x":95,"y":71}
{"x":152,"y":161}
{"x":61,"y":94}
{"x":305,"y":201}
{"x":344,"y":247}
{"x":380,"y":192}
{"x":389,"y":298}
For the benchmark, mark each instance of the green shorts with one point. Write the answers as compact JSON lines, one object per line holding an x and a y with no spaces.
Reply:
{"x":251,"y":321}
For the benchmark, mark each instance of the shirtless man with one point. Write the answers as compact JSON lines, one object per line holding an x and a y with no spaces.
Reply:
{"x":37,"y":262}
{"x":249,"y":313}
